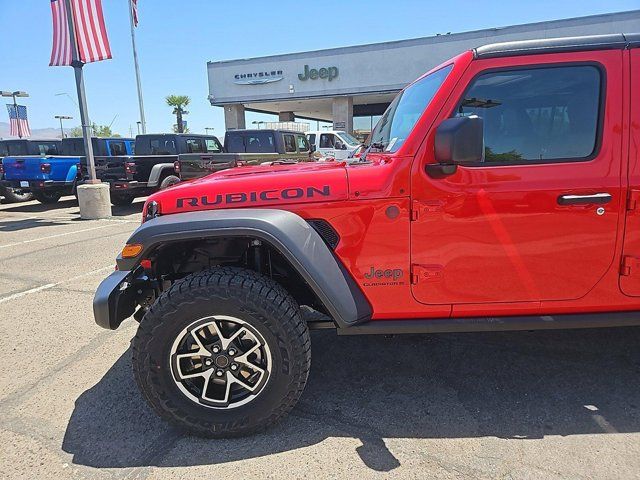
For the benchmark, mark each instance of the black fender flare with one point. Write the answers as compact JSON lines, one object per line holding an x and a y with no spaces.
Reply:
{"x":285,"y":231}
{"x":157,"y":171}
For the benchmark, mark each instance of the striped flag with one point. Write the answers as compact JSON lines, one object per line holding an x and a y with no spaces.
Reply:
{"x":19,"y":123}
{"x":134,"y":12}
{"x":90,"y":32}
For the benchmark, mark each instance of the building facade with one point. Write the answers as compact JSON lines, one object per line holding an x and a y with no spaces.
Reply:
{"x":342,"y":84}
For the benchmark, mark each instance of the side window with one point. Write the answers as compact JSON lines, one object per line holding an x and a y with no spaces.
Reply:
{"x":194,"y":145}
{"x":162,"y":147}
{"x":213,"y":146}
{"x":327,"y":140}
{"x":235,"y":143}
{"x":3,"y":150}
{"x":117,"y":148}
{"x":312,"y":138}
{"x":537,"y":115}
{"x":303,"y":144}
{"x":289,"y":143}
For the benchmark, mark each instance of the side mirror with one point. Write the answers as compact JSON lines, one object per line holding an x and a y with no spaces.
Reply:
{"x":458,"y":141}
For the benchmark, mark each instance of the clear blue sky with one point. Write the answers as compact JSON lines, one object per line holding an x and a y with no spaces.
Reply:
{"x":177,"y":38}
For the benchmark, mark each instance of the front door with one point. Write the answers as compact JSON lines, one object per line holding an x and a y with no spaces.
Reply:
{"x":537,"y":220}
{"x":327,"y":144}
{"x":630,"y":271}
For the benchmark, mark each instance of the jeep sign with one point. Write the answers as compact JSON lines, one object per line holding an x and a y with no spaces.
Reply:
{"x":313,"y":73}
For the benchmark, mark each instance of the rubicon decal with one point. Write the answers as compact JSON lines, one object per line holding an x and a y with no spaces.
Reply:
{"x":386,"y":277}
{"x":238,"y":198}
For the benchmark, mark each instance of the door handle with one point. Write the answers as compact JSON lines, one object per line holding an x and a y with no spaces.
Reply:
{"x":596,"y":198}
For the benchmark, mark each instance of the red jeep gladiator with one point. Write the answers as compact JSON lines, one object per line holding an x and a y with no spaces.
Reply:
{"x":500,"y":191}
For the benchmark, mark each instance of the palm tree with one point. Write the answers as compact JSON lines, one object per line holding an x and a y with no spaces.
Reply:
{"x":178,"y":102}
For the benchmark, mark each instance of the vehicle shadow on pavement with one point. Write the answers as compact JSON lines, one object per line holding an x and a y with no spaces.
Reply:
{"x":123,"y":211}
{"x":508,"y":385}
{"x":37,"y":207}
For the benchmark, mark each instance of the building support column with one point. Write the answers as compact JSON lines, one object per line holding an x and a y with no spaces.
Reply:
{"x":343,"y":114}
{"x":286,"y":117}
{"x":234,"y":116}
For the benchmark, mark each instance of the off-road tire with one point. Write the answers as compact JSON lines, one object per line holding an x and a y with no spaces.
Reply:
{"x":169,"y":181}
{"x":235,"y":292}
{"x":47,"y":198}
{"x":121,"y":200}
{"x":13,"y":196}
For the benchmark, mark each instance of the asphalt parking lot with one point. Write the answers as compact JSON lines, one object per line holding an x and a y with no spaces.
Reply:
{"x":543,"y":405}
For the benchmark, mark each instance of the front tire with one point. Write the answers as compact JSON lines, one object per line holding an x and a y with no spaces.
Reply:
{"x":224,"y":352}
{"x":47,"y":197}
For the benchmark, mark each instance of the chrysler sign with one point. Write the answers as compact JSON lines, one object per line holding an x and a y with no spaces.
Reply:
{"x":258,"y":78}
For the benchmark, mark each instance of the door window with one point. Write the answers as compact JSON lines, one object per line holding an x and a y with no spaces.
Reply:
{"x":537,"y":115}
{"x":303,"y":144}
{"x":327,"y":140}
{"x":259,"y":142}
{"x":117,"y":148}
{"x":213,"y":146}
{"x":162,"y":147}
{"x":289,"y":144}
{"x":194,"y":145}
{"x":312,"y":138}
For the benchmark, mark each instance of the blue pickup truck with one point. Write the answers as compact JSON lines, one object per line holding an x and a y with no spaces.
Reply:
{"x":21,"y":147}
{"x":51,"y":174}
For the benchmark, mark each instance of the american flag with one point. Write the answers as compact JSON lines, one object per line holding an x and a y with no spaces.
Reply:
{"x":18,"y":121}
{"x":90,"y":32}
{"x":134,"y":12}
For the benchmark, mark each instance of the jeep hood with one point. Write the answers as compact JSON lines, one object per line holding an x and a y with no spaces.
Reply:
{"x":259,"y":186}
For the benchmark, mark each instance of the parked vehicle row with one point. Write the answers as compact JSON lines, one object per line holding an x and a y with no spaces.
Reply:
{"x":52,"y":169}
{"x":49,"y":169}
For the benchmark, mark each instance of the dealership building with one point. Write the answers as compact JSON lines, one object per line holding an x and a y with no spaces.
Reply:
{"x":352,"y":86}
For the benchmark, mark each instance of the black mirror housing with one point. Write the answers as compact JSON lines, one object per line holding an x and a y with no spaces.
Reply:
{"x":459,"y":140}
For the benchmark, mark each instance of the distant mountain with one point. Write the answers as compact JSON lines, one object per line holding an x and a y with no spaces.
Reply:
{"x":36,"y":133}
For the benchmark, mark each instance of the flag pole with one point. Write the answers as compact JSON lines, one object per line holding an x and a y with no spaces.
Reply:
{"x":15,"y":105}
{"x":143,"y":122}
{"x":82,"y":99}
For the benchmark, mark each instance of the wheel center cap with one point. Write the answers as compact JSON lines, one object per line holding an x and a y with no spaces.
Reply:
{"x":221,"y":361}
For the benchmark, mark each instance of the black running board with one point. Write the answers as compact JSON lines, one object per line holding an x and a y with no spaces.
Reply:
{"x":495,"y":324}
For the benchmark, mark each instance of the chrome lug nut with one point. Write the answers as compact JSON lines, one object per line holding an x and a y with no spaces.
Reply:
{"x":219,"y":373}
{"x":216,"y":349}
{"x":208,"y":362}
{"x":234,"y":367}
{"x":232,"y":351}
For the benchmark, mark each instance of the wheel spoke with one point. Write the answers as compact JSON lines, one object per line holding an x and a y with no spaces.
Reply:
{"x":236,"y":334}
{"x":231,"y":380}
{"x":244,"y":357}
{"x":184,"y":376}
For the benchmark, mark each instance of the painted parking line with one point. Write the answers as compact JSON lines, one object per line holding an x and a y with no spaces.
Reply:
{"x":52,"y":285}
{"x":48,"y":237}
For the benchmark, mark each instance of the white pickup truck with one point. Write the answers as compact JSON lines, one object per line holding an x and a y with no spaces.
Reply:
{"x":333,"y":143}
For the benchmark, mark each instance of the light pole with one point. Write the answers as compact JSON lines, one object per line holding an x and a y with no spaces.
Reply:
{"x":62,"y":117}
{"x":68,"y":96}
{"x":17,"y":93}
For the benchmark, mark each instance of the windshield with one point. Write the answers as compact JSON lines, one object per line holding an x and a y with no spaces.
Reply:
{"x":399,"y":119}
{"x":348,"y":139}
